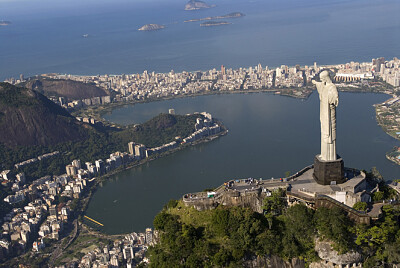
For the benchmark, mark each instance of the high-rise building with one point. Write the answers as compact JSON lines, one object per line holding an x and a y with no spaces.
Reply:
{"x":139,"y":151}
{"x":131,"y":147}
{"x":53,"y":210}
{"x":128,"y":253}
{"x":117,"y":159}
{"x":61,"y":100}
{"x":100,"y":166}
{"x":149,"y":236}
{"x":91,"y":168}
{"x":105,"y":99}
{"x":21,"y":177}
{"x":382,"y":68}
{"x":106,"y":249}
{"x":77,"y":163}
{"x":114,"y":261}
{"x":71,"y":170}
{"x":222,"y":69}
{"x":377,"y":63}
{"x":278,"y":72}
{"x":130,"y":264}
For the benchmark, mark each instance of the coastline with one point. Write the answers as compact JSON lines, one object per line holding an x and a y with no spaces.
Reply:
{"x":394,"y":154}
{"x":98,"y":111}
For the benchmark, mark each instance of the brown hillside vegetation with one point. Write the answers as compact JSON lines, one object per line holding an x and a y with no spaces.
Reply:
{"x":66,"y":88}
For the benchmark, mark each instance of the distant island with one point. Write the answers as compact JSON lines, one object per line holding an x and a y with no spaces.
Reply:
{"x":228,"y":16}
{"x":214,"y":23}
{"x":4,"y":22}
{"x":195,"y":5}
{"x":151,"y":27}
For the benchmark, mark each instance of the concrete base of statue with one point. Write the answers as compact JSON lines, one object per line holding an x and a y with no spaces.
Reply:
{"x":328,"y":172}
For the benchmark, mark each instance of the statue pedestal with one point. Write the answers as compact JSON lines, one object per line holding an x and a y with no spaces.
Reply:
{"x":328,"y":172}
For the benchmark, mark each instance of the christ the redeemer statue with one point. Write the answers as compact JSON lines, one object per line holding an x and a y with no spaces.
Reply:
{"x":328,"y":96}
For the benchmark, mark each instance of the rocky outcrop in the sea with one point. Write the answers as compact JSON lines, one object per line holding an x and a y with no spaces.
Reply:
{"x":4,"y":22}
{"x":195,"y":5}
{"x":151,"y":27}
{"x":228,"y":16}
{"x":214,"y":23}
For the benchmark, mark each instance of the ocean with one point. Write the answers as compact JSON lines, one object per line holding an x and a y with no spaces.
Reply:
{"x":47,"y":36}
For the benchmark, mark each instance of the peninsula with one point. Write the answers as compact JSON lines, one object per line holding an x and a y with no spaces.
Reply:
{"x":214,"y":23}
{"x":195,"y":5}
{"x":151,"y":27}
{"x":228,"y":16}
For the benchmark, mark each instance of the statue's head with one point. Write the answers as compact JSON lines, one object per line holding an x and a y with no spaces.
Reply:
{"x":324,"y":76}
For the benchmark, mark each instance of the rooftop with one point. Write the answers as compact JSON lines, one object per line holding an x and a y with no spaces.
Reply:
{"x":306,"y":185}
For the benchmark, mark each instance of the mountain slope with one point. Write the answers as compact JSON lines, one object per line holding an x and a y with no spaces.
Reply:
{"x":29,"y":118}
{"x":66,"y":88}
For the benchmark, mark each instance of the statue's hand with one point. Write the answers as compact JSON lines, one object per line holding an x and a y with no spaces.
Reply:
{"x":314,"y":82}
{"x":336,"y":102}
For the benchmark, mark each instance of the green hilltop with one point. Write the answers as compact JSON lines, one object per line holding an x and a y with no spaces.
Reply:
{"x":280,"y":237}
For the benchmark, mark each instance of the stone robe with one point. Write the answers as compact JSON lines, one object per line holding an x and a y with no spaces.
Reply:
{"x":328,"y":96}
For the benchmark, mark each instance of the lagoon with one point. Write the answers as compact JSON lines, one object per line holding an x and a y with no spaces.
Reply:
{"x":268,"y":135}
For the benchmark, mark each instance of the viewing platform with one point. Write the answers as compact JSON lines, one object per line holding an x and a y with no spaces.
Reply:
{"x":300,"y":187}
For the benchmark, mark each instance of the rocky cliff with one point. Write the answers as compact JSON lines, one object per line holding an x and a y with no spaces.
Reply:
{"x":273,"y":262}
{"x":331,"y":258}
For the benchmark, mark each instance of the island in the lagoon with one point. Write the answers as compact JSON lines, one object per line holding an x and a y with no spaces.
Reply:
{"x":214,"y":23}
{"x":151,"y":27}
{"x":195,"y":5}
{"x":228,"y":16}
{"x":4,"y":22}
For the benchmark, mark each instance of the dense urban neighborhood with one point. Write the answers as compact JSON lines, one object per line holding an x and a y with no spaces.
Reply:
{"x":46,"y":210}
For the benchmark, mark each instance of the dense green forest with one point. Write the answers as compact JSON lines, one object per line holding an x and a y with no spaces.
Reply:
{"x":227,"y":237}
{"x":100,"y":142}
